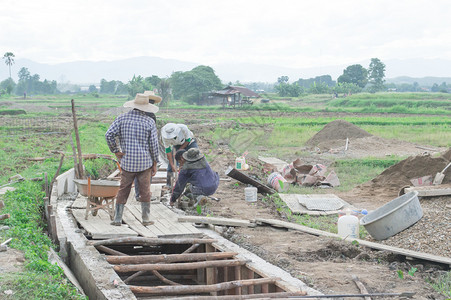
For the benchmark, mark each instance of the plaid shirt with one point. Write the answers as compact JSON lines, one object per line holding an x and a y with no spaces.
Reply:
{"x":138,"y":139}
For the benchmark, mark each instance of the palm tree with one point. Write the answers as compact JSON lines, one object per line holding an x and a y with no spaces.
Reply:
{"x":8,"y":57}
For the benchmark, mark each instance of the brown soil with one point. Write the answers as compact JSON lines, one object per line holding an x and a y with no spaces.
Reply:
{"x":337,"y":130}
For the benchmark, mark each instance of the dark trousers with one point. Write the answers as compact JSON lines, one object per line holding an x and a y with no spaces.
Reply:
{"x":127,"y":179}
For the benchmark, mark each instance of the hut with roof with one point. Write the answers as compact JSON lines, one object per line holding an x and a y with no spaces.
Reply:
{"x":232,"y":96}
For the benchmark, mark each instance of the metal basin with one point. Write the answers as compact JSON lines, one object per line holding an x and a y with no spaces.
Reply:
{"x":394,"y":217}
{"x":99,"y":188}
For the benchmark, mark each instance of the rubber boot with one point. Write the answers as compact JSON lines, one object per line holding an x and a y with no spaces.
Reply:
{"x":145,"y":207}
{"x":118,"y":215}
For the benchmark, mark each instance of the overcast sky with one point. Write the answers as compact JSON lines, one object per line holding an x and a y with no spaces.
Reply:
{"x":290,"y":33}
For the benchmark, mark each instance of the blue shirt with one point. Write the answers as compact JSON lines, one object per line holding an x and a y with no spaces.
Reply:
{"x":138,"y":140}
{"x":204,"y":180}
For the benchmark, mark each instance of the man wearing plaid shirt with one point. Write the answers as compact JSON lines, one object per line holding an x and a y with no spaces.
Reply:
{"x":137,"y":152}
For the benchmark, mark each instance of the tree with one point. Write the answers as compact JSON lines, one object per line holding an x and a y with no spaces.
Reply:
{"x":282,"y":79}
{"x":138,"y":85}
{"x":7,"y":86}
{"x":191,"y":84}
{"x":376,"y":75}
{"x":9,"y":61}
{"x":354,"y":74}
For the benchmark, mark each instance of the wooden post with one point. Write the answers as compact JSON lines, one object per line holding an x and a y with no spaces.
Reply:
{"x":238,"y":277}
{"x":77,"y":139}
{"x":168,"y":258}
{"x":180,"y":266}
{"x":210,"y":273}
{"x":250,"y":275}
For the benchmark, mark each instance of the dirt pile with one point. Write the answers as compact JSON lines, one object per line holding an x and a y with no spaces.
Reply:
{"x":337,"y":130}
{"x":397,"y":176}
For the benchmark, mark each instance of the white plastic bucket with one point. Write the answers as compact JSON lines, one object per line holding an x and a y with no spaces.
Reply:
{"x":250,"y":194}
{"x":277,"y":181}
{"x":348,"y":226}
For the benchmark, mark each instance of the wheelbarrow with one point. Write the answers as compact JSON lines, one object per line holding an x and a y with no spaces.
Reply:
{"x":100,"y":195}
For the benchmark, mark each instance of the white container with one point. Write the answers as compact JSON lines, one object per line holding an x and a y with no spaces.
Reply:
{"x":348,"y":226}
{"x":250,"y":194}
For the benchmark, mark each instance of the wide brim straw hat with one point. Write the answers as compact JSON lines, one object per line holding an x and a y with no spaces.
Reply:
{"x":192,"y":154}
{"x":152,"y":96}
{"x":170,"y":131}
{"x":141,"y":102}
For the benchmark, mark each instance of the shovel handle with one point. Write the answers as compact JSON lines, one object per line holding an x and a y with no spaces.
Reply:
{"x":446,"y":167}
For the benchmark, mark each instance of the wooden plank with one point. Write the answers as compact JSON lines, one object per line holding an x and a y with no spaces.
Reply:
{"x":430,"y":191}
{"x":217,"y":221}
{"x":136,"y":225}
{"x":166,"y":224}
{"x":292,"y":201}
{"x":99,"y":226}
{"x":279,"y":164}
{"x":373,"y":245}
{"x":262,"y":188}
{"x":53,"y":258}
{"x":186,"y":229}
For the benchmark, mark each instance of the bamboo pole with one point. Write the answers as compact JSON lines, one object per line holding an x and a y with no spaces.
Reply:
{"x":189,"y":289}
{"x":74,"y":154}
{"x":77,"y":138}
{"x":179,"y":266}
{"x":238,"y":277}
{"x":143,"y":241}
{"x":242,"y":297}
{"x":168,"y":258}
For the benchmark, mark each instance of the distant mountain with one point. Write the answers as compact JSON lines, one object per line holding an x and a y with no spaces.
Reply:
{"x":88,"y":72}
{"x":424,"y":81}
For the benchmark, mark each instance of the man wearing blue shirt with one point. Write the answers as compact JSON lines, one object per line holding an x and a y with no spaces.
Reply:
{"x":137,"y":151}
{"x":196,"y":171}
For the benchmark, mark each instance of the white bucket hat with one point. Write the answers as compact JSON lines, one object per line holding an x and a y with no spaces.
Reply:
{"x":141,"y":102}
{"x":152,"y":96}
{"x":170,"y":131}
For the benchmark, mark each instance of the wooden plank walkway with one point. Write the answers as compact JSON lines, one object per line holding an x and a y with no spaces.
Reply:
{"x":99,"y":227}
{"x":166,"y":222}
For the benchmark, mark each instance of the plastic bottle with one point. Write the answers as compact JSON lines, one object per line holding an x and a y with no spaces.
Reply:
{"x":240,"y":162}
{"x":348,"y":226}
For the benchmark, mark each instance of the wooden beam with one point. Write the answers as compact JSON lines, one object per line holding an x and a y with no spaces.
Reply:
{"x":190,"y":289}
{"x":179,"y":266}
{"x":430,"y":191}
{"x":149,"y":241}
{"x":168,"y":258}
{"x":217,"y":221}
